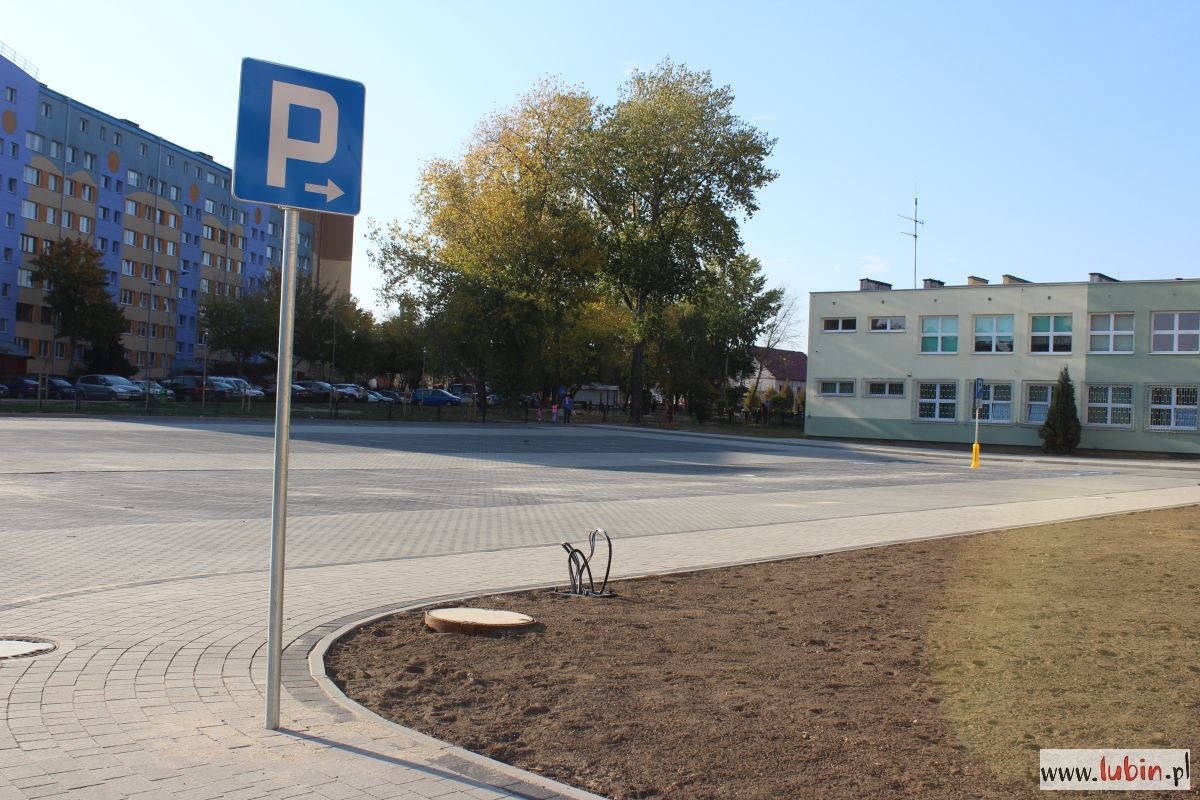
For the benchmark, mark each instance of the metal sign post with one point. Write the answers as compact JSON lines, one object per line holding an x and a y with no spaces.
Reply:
{"x":283,"y":427}
{"x":299,"y":146}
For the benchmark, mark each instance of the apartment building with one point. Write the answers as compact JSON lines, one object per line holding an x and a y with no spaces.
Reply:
{"x":173,"y":237}
{"x":903,"y":364}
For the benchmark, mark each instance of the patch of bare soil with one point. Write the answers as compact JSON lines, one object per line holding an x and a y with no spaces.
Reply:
{"x":927,"y":670}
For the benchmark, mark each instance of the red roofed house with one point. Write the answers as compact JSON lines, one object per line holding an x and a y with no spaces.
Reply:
{"x":776,"y":369}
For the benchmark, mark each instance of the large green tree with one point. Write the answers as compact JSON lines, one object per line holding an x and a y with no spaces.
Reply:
{"x":737,"y":308}
{"x":313,"y":330}
{"x":502,"y":254}
{"x":666,"y":172}
{"x":77,"y":293}
{"x":241,"y":327}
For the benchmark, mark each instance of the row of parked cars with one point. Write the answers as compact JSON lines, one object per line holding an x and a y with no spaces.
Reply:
{"x":217,"y":388}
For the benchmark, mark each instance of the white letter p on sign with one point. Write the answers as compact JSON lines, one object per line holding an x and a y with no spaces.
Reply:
{"x":281,"y":147}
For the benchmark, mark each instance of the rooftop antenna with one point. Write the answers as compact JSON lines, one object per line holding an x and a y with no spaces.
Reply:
{"x":915,"y":221}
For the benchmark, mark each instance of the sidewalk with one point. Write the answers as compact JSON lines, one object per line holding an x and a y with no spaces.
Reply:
{"x":157,"y":690}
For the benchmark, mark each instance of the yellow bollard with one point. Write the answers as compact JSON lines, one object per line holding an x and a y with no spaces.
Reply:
{"x":975,"y":456}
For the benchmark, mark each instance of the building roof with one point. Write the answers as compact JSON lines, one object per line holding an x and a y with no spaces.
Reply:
{"x":789,"y":365}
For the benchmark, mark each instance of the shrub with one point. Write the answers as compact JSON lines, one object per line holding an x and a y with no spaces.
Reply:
{"x":1061,"y":431}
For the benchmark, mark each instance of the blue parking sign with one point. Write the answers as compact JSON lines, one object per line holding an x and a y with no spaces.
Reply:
{"x":299,"y":139}
{"x":979,"y":388}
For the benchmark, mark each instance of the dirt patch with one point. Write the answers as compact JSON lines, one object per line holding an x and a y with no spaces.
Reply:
{"x":927,"y":670}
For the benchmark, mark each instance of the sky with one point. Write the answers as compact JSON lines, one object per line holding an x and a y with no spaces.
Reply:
{"x":1044,"y":140}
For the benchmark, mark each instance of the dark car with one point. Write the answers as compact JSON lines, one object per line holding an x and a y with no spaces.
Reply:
{"x":223,"y":389}
{"x":188,"y":387}
{"x":19,"y":387}
{"x":59,"y":389}
{"x":3,"y":391}
{"x":299,"y":393}
{"x":108,"y":387}
{"x":318,"y":391}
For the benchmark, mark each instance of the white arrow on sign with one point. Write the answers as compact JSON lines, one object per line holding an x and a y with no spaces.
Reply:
{"x":330,"y":190}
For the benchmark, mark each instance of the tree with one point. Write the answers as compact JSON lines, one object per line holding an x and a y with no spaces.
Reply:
{"x":241,"y":327}
{"x":313,"y":329}
{"x":106,"y":354}
{"x":77,"y":294}
{"x":738,"y":308}
{"x":1060,"y":433}
{"x":779,"y":330}
{"x":664,"y":171}
{"x":501,"y":255}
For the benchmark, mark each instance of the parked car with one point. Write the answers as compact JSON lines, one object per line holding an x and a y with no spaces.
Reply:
{"x":248,"y":389}
{"x":20,"y":387}
{"x":434,"y":397}
{"x":108,"y":387}
{"x":156,"y":389}
{"x":223,"y":389}
{"x":318,"y":391}
{"x":3,"y":391}
{"x":188,"y":387}
{"x":351,"y":391}
{"x":388,"y":394}
{"x":59,"y":389}
{"x":299,"y":393}
{"x":379,"y":397}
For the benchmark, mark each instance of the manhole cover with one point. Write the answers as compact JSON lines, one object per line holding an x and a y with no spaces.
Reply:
{"x":21,"y":646}
{"x":474,"y":620}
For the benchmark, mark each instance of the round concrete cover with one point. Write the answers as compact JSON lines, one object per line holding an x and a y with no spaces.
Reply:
{"x":474,"y":620}
{"x":13,"y":648}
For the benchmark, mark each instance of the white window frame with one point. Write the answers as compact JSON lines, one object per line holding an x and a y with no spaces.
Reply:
{"x":995,"y":336}
{"x":938,"y":400}
{"x":1174,"y":331}
{"x":991,"y":404}
{"x":889,"y":325}
{"x":839,"y":384}
{"x":887,"y":385}
{"x":1052,"y":336}
{"x":1108,"y":404}
{"x":940,"y":335}
{"x":1174,"y":407}
{"x":839,"y":322}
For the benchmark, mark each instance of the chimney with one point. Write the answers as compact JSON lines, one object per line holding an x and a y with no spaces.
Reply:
{"x":1100,"y":277}
{"x":868,"y":285}
{"x":934,"y":283}
{"x":973,"y":280}
{"x":1010,"y":279}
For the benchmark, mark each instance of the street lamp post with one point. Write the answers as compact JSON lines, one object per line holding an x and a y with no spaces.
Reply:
{"x":204,"y":373}
{"x":146,"y":373}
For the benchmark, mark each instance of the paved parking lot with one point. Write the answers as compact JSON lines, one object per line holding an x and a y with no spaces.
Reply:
{"x":141,"y":547}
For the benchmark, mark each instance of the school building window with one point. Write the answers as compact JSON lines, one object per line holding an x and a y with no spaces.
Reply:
{"x":1173,"y":408}
{"x":836,"y":388}
{"x":939,"y":334}
{"x":1109,"y":404}
{"x":1037,"y":402}
{"x":994,"y":334}
{"x":937,"y":401}
{"x":1175,"y":332}
{"x":995,"y":404}
{"x":836,"y":324}
{"x":1050,"y":333}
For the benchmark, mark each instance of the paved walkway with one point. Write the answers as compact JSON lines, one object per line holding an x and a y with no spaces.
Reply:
{"x":156,"y":689}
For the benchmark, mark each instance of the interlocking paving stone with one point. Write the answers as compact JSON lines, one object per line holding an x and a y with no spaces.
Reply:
{"x":142,"y":549}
